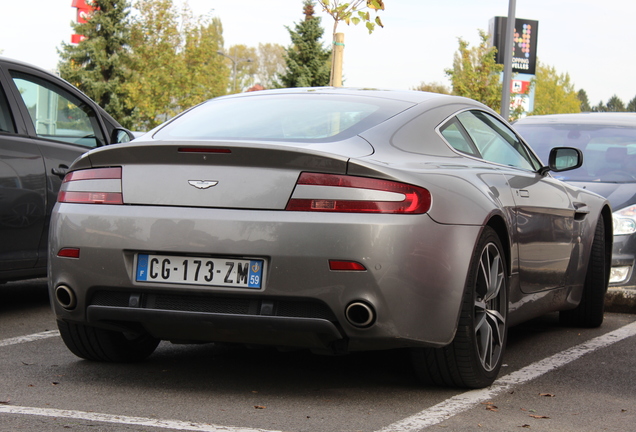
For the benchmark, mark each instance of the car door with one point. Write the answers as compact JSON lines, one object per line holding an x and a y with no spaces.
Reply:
{"x":22,"y":191}
{"x":544,"y":212}
{"x":53,"y":124}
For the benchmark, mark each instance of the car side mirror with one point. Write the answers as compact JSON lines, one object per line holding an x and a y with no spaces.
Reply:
{"x":563,"y":159}
{"x":121,"y":135}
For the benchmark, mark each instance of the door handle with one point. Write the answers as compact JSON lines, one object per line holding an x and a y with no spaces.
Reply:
{"x":60,"y":171}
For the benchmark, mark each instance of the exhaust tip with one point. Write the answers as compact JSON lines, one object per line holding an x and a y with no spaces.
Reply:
{"x":360,"y":314}
{"x":65,"y":296}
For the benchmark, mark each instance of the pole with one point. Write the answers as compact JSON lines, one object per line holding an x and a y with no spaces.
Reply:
{"x":338,"y":53}
{"x":508,"y":48}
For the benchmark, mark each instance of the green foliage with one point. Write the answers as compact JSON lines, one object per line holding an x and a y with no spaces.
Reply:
{"x":271,"y":64}
{"x":353,"y":12}
{"x":434,"y":87}
{"x":585,"y":102}
{"x":100,"y":64}
{"x":554,"y":92}
{"x":174,"y":61}
{"x":631,"y":106}
{"x":307,"y":61}
{"x":475,"y":74}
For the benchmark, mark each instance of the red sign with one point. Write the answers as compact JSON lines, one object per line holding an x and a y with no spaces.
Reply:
{"x":519,"y":87}
{"x":83,"y":14}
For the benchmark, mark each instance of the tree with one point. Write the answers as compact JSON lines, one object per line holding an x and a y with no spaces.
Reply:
{"x":554,"y":92}
{"x":356,"y":12}
{"x":174,"y":61}
{"x":307,"y":62}
{"x":243,"y":63}
{"x":99,"y":65}
{"x":585,"y":102}
{"x":434,"y":87}
{"x":205,"y":72}
{"x":614,"y":104}
{"x":631,"y":106}
{"x":271,"y":64}
{"x":475,"y":74}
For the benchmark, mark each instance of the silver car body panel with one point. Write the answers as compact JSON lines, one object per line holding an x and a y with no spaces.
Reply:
{"x":415,"y":265}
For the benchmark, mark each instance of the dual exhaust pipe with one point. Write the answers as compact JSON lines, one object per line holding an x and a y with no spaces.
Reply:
{"x":359,"y":314}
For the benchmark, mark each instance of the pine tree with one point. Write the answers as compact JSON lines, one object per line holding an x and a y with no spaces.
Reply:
{"x":615,"y":104}
{"x":307,"y":61}
{"x":99,"y":65}
{"x":585,"y":102}
{"x":631,"y":106}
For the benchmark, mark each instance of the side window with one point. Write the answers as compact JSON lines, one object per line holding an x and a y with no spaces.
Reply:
{"x":6,"y":119}
{"x":495,"y":142}
{"x":57,"y":114}
{"x":458,"y":139}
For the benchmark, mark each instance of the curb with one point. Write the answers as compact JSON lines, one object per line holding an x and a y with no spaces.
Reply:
{"x":620,"y":300}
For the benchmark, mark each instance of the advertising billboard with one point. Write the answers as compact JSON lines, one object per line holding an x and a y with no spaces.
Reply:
{"x":524,"y":54}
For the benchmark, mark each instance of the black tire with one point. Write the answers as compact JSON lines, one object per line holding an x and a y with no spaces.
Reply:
{"x":475,"y":356}
{"x":92,"y":343}
{"x":590,"y":311}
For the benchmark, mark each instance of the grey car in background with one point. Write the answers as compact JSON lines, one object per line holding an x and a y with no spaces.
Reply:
{"x":608,"y":143}
{"x":336,"y":220}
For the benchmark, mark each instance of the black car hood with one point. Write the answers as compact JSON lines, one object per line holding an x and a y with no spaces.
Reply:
{"x":620,"y":195}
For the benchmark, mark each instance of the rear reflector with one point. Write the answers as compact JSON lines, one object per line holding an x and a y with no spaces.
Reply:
{"x":349,"y":194}
{"x":346,"y":266}
{"x":92,"y":186}
{"x":69,"y":253}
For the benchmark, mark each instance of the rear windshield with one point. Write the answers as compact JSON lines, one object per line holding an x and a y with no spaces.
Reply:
{"x":282,"y":117}
{"x":609,"y":152}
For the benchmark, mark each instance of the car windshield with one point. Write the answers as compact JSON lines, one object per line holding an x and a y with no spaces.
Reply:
{"x":609,"y":152}
{"x":282,"y":117}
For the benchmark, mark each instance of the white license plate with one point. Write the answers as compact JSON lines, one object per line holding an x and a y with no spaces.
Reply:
{"x":223,"y":272}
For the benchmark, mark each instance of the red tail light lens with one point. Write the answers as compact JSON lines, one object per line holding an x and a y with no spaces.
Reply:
{"x":350,"y":194}
{"x":92,"y":186}
{"x":337,"y":265}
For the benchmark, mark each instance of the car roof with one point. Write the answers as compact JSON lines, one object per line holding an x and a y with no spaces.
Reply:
{"x":598,"y":118}
{"x":412,"y":96}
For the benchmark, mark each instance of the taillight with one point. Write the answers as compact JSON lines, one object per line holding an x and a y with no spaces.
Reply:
{"x":92,"y":186}
{"x":349,"y":194}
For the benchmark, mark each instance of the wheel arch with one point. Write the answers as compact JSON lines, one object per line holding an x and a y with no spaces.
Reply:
{"x":606,"y":213}
{"x":497,"y":223}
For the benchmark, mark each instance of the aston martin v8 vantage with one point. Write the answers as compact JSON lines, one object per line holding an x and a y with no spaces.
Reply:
{"x":336,"y":220}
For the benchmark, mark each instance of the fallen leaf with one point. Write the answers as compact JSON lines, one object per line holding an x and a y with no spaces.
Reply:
{"x":492,"y":408}
{"x":259,"y":407}
{"x":5,"y":402}
{"x":539,"y":416}
{"x":55,"y":383}
{"x":525,"y":426}
{"x":546,"y":394}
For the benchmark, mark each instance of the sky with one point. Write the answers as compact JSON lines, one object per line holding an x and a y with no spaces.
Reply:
{"x":593,"y":41}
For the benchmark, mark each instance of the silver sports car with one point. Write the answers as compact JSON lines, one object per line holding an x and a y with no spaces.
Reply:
{"x":336,"y":220}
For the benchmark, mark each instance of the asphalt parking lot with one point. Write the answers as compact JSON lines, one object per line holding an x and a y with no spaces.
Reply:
{"x":555,"y":379}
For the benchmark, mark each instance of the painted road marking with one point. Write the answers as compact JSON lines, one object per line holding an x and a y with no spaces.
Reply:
{"x":465,"y":401}
{"x":29,"y":338}
{"x":137,"y":421}
{"x":429,"y":417}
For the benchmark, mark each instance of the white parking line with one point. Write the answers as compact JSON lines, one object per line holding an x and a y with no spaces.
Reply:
{"x":29,"y":338}
{"x":137,"y":421}
{"x":465,"y":401}
{"x":429,"y":417}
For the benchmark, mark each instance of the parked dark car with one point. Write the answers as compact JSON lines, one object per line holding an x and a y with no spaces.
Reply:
{"x":608,"y":142}
{"x":45,"y":124}
{"x":337,"y":220}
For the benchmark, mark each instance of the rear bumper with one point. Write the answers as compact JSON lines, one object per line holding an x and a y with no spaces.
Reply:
{"x":414,"y":279}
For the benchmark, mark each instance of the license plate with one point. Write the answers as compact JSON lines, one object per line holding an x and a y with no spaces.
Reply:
{"x":222,"y":272}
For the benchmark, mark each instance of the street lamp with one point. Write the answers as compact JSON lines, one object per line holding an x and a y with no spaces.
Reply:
{"x":235,"y":61}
